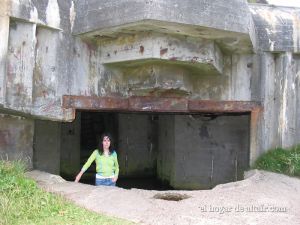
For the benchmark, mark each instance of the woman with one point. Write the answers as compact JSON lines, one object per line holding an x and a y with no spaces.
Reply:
{"x":107,"y":166}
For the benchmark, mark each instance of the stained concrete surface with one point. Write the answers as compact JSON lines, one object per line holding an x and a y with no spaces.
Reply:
{"x":16,"y":138}
{"x":47,"y":141}
{"x":262,"y":198}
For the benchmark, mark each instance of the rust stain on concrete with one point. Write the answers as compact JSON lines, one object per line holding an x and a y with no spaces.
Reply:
{"x":4,"y":138}
{"x":142,"y":49}
{"x":163,"y":51}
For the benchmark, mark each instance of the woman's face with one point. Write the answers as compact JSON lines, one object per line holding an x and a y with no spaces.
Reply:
{"x":106,"y":142}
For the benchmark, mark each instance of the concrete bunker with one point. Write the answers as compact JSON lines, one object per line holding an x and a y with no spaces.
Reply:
{"x":174,"y":143}
{"x":201,"y":70}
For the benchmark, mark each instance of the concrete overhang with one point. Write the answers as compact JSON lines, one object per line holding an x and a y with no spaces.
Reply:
{"x":44,"y":13}
{"x":228,"y":23}
{"x":204,"y":56}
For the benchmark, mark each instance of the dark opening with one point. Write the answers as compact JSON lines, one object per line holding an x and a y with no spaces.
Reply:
{"x":171,"y":196}
{"x":162,"y":151}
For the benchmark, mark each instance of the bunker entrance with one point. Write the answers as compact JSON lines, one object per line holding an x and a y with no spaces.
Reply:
{"x":160,"y":151}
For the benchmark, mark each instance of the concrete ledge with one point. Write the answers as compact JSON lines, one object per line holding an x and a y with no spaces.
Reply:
{"x":137,"y":50}
{"x":95,"y":15}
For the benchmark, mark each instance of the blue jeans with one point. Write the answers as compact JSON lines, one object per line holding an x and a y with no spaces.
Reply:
{"x":105,"y":182}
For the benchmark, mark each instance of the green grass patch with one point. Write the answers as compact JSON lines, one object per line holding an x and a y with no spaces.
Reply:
{"x":279,"y":160}
{"x":22,"y":202}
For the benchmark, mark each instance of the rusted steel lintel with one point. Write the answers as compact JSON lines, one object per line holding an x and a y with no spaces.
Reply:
{"x":222,"y":106}
{"x":156,"y":104}
{"x":94,"y":103}
{"x":138,"y":104}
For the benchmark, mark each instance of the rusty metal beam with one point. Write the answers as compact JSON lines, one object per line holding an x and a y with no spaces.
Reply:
{"x":255,"y":121}
{"x":156,"y":104}
{"x":222,"y":106}
{"x":94,"y":103}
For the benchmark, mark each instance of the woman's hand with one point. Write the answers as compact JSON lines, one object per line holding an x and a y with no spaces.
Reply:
{"x":78,"y":176}
{"x":114,"y":179}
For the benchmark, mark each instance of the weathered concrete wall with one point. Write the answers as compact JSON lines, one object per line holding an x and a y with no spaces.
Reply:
{"x":70,"y":147}
{"x":160,"y":78}
{"x":46,"y":75}
{"x":60,"y":64}
{"x":85,"y":75}
{"x":39,"y":33}
{"x":16,"y":138}
{"x":167,"y":59}
{"x":280,"y":99}
{"x":277,"y":28}
{"x":166,"y":144}
{"x":4,"y":31}
{"x":47,"y":146}
{"x":210,"y":150}
{"x":297,"y":96}
{"x":138,"y":148}
{"x":20,"y":66}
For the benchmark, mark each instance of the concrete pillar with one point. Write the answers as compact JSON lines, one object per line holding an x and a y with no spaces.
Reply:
{"x":297,"y":84}
{"x":21,"y":59}
{"x":287,"y":116}
{"x":4,"y":33}
{"x":209,"y":150}
{"x":47,"y":140}
{"x":279,"y":94}
{"x":241,"y":77}
{"x":137,"y":148}
{"x":46,"y":74}
{"x":70,"y":147}
{"x":165,"y":157}
{"x":270,"y":84}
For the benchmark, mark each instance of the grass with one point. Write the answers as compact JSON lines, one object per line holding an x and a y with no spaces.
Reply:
{"x":279,"y":160}
{"x":22,"y":202}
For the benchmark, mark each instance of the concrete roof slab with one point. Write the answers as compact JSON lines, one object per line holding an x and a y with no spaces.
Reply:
{"x":215,"y":20}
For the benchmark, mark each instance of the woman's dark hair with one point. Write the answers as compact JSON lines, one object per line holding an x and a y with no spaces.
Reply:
{"x":100,"y":143}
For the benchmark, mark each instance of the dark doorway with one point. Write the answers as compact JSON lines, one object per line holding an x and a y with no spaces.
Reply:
{"x":93,"y":125}
{"x":160,"y":151}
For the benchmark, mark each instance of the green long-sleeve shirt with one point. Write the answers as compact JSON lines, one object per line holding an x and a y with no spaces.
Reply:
{"x":105,"y":165}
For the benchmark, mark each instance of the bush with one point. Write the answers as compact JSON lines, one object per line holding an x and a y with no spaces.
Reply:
{"x":279,"y":160}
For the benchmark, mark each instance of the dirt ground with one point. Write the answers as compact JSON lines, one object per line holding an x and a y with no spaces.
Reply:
{"x":262,"y":198}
